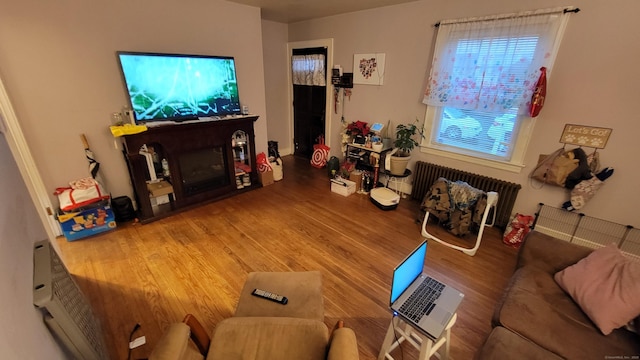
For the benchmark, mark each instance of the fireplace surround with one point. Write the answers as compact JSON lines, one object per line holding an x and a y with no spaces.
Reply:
{"x":202,"y":163}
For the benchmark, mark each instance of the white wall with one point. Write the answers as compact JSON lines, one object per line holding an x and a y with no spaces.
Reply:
{"x":274,"y":49}
{"x":23,"y":334}
{"x":593,"y":83}
{"x":58,"y":63}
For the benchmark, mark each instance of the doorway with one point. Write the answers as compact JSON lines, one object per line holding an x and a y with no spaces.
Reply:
{"x":309,"y":98}
{"x":310,"y":117}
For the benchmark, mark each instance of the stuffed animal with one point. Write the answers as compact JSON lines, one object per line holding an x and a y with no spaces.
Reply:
{"x":582,"y":172}
{"x":585,"y":189}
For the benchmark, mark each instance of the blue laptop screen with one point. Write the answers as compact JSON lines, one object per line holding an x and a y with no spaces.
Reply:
{"x":408,"y":271}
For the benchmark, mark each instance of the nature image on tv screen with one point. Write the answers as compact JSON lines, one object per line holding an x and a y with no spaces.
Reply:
{"x":164,"y":87}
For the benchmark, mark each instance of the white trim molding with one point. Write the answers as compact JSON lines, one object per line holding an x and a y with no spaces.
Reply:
{"x":28,"y":169}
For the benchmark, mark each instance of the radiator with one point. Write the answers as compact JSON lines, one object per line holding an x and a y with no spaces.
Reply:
{"x":66,"y":312}
{"x":425,"y":174}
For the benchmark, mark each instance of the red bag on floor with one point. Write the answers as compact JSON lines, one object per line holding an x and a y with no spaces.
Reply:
{"x":517,"y":229}
{"x":263,"y":163}
{"x":320,"y":154}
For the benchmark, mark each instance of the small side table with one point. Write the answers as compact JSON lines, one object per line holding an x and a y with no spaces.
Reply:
{"x":400,"y":331}
{"x":398,"y":181}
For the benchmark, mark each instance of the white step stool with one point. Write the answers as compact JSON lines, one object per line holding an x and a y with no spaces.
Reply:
{"x":399,"y":331}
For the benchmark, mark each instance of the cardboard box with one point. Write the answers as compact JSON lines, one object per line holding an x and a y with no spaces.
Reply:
{"x":159,"y":188}
{"x":81,"y":224}
{"x":159,"y":200}
{"x":343,"y":187}
{"x":266,"y":178}
{"x":356,"y":176}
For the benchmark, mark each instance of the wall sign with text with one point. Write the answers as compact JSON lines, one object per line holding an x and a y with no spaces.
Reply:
{"x":588,"y":136}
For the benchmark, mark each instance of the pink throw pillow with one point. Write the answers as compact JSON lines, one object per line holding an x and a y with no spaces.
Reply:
{"x":606,"y":285}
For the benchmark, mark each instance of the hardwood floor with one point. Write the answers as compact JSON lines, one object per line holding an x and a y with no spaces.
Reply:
{"x":197,"y":261}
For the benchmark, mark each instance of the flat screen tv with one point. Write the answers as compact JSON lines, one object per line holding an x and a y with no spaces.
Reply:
{"x":178,"y":87}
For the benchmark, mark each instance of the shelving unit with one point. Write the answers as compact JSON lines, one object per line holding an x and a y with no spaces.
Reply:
{"x":242,"y":163}
{"x":362,"y":156}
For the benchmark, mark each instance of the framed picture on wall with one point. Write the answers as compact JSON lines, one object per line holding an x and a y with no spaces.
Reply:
{"x":368,"y":69}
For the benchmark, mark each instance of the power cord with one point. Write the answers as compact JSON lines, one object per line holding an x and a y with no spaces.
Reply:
{"x":395,"y":334}
{"x":135,"y":328}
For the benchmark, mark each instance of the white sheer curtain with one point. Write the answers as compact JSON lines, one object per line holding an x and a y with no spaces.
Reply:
{"x":308,"y":70}
{"x":492,"y":63}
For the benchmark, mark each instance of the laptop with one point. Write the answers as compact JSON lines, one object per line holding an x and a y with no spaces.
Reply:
{"x":420,"y":300}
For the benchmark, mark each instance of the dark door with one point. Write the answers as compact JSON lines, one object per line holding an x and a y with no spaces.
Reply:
{"x":309,"y":103}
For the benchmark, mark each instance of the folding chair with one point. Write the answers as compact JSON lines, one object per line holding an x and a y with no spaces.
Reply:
{"x":492,"y":201}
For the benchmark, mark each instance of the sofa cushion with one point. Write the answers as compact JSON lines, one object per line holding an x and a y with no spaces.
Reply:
{"x":504,"y":344}
{"x":302,"y":289}
{"x":265,"y":338}
{"x":606,"y":285}
{"x":535,"y":307}
{"x":549,"y":253}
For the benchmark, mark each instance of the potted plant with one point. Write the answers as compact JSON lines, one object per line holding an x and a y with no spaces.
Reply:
{"x":358,"y":130}
{"x":404,"y":143}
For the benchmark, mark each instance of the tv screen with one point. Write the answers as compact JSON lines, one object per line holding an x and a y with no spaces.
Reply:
{"x":179,"y":87}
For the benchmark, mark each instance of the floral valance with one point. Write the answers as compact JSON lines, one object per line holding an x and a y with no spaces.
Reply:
{"x":492,"y":63}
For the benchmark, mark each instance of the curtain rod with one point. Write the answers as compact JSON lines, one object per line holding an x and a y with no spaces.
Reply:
{"x":564,"y":11}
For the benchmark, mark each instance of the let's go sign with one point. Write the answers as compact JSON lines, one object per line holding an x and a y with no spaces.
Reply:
{"x":588,"y":136}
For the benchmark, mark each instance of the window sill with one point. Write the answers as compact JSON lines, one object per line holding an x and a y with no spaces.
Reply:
{"x":496,"y":164}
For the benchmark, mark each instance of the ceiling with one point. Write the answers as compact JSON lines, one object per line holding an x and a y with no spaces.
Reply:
{"x":290,"y":11}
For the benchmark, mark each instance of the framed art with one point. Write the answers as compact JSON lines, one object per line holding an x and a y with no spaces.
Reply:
{"x":368,"y":69}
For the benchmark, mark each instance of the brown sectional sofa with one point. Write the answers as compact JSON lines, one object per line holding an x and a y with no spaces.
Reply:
{"x":536,"y":319}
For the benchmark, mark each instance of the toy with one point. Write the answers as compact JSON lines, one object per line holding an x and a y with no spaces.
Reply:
{"x":584,"y":190}
{"x":80,"y":224}
{"x":581,"y":181}
{"x":582,"y":172}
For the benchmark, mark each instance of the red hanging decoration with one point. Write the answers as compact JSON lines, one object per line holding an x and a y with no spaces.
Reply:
{"x":539,"y":93}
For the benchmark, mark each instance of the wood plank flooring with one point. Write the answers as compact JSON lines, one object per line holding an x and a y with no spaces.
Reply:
{"x":197,"y":261}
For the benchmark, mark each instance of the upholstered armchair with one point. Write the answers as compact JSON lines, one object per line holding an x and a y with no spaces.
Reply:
{"x":262,"y":329}
{"x":256,"y":338}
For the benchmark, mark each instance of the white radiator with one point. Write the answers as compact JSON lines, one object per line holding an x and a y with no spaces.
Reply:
{"x":66,"y":312}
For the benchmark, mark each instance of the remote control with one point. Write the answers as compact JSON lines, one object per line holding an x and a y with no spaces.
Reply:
{"x":270,"y":296}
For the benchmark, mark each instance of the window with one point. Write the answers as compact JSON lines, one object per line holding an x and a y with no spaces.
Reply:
{"x":309,"y":69}
{"x":482,"y":77}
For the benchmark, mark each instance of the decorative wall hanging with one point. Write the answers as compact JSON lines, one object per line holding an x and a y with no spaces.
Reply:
{"x":574,"y":169}
{"x":539,"y":94}
{"x":589,"y":136}
{"x":368,"y":69}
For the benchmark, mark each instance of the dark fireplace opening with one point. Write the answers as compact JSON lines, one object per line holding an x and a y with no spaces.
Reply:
{"x":203,"y":170}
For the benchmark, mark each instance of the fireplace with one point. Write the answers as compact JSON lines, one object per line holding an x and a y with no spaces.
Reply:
{"x":201,"y":161}
{"x":203,"y":170}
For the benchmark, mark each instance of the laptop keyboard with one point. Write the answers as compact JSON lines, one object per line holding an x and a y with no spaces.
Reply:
{"x":421,"y":302}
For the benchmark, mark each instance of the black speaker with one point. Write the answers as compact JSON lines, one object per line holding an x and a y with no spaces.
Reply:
{"x":123,"y":209}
